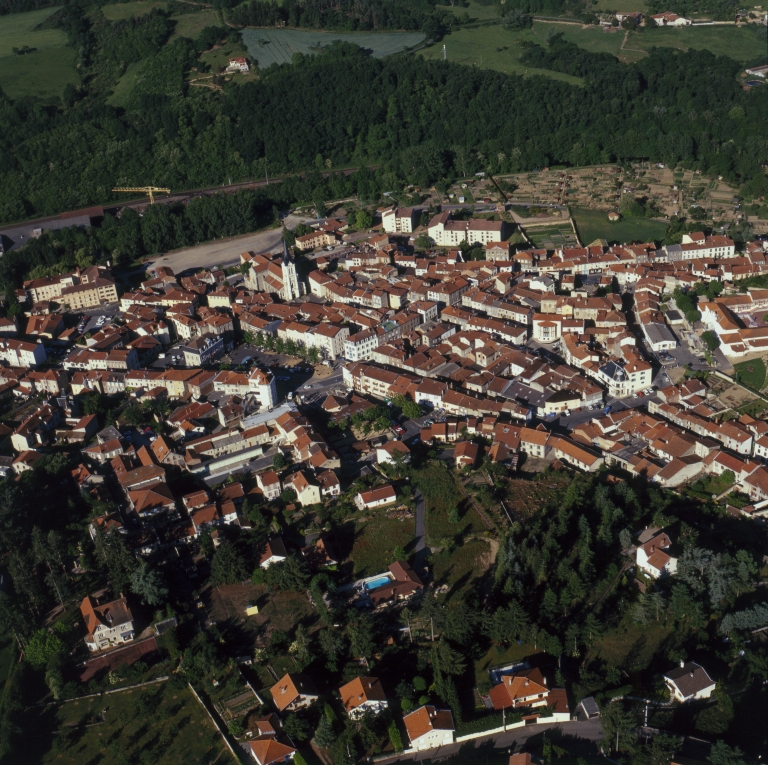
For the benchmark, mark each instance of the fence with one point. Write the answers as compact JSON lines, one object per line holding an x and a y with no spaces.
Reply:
{"x":216,"y":725}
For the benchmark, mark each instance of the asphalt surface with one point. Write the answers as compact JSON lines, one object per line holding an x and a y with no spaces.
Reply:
{"x":580,"y":738}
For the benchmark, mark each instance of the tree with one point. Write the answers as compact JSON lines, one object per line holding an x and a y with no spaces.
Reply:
{"x":228,"y":565}
{"x":422,"y":242}
{"x":290,"y":575}
{"x":43,"y":646}
{"x":722,"y":754}
{"x":617,"y":725}
{"x":399,"y":553}
{"x":148,"y":584}
{"x":297,"y":727}
{"x":509,"y":624}
{"x":711,"y":340}
{"x":450,"y":661}
{"x":363,"y":219}
{"x":360,"y":638}
{"x":324,"y":735}
{"x":333,"y":646}
{"x":278,"y":461}
{"x":300,"y":648}
{"x":715,"y":718}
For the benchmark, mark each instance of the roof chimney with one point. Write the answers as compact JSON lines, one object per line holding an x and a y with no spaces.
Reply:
{"x":682,"y":663}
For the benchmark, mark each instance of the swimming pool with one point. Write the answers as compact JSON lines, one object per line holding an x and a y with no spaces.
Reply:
{"x":376,"y":583}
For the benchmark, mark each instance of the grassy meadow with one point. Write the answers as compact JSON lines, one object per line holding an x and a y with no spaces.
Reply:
{"x":594,"y":224}
{"x":740,"y":43}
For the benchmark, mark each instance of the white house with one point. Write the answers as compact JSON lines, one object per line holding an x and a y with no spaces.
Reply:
{"x":385,"y":454}
{"x":272,"y":551}
{"x":429,"y":727}
{"x":381,"y":495}
{"x":399,"y":220}
{"x":652,"y":558}
{"x":689,"y":682}
{"x":108,"y":625}
{"x":238,"y":64}
{"x":361,"y":695}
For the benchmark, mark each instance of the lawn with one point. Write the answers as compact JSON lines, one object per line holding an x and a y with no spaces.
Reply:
{"x":369,"y":544}
{"x":558,"y":235}
{"x":740,"y":43}
{"x":18,"y":29}
{"x":277,"y":46}
{"x":167,"y":722}
{"x":220,"y":56}
{"x":121,"y":11}
{"x":494,"y":47}
{"x":461,"y":567}
{"x":594,"y":224}
{"x":43,"y":73}
{"x":620,"y":6}
{"x":751,"y":373}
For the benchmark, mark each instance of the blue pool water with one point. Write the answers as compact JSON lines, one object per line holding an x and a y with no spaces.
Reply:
{"x":376,"y":583}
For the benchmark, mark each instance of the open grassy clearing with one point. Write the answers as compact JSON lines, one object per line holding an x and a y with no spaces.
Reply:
{"x":552,"y":237}
{"x":168,"y":722}
{"x":494,"y":47}
{"x":220,"y":57}
{"x":475,"y":10}
{"x":126,"y":84}
{"x":120,"y":11}
{"x":740,"y":43}
{"x":191,"y":24}
{"x":279,"y":45}
{"x":751,"y":373}
{"x":368,"y":541}
{"x":625,"y":6}
{"x":43,"y":73}
{"x":594,"y":224}
{"x":461,"y":567}
{"x":18,"y":29}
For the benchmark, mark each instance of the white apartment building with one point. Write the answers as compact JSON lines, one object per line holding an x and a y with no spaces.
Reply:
{"x":451,"y":233}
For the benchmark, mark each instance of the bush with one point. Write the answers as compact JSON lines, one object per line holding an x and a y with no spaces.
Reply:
{"x":394,"y":737}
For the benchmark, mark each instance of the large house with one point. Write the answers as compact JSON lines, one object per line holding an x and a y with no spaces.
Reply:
{"x":378,"y":497}
{"x":292,"y":692}
{"x":653,"y":558}
{"x":361,"y":695}
{"x":689,"y":682}
{"x":521,"y":689}
{"x":108,"y":625}
{"x":429,"y":727}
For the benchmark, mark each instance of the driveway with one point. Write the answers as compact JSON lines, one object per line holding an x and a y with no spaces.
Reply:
{"x":580,"y":738}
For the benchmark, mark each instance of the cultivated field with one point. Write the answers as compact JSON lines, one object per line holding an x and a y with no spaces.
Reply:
{"x":594,"y":224}
{"x":277,"y":46}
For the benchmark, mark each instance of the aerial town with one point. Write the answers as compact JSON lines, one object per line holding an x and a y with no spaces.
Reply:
{"x":261,"y":406}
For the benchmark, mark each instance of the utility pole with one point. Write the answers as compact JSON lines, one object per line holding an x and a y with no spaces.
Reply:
{"x":432,"y":628}
{"x":444,"y":55}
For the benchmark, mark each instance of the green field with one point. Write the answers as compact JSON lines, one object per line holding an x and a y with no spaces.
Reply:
{"x":167,"y":722}
{"x":740,"y":43}
{"x":18,"y":29}
{"x":190,"y":24}
{"x":494,"y":47}
{"x":43,"y":73}
{"x":475,"y":10}
{"x":594,"y":224}
{"x":620,"y":6}
{"x":551,"y":237}
{"x":281,"y":44}
{"x":751,"y":373}
{"x":120,"y":11}
{"x":126,"y":84}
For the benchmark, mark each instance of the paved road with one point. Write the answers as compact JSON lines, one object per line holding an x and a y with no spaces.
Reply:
{"x":579,"y":737}
{"x":226,"y":252}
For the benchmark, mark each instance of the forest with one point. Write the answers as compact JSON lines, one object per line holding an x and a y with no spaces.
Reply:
{"x":411,"y":118}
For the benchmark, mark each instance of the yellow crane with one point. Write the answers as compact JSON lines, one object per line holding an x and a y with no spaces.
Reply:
{"x":151,"y":190}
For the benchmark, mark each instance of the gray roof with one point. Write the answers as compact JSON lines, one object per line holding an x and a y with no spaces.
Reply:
{"x":614,"y":371}
{"x":690,"y":679}
{"x":659,"y":333}
{"x":589,"y":705}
